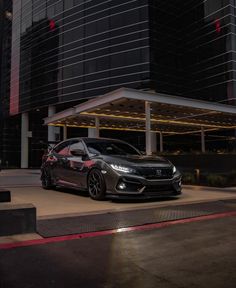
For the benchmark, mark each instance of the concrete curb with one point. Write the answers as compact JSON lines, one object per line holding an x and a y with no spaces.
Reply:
{"x":208,"y":188}
{"x":5,"y":195}
{"x":17,"y":219}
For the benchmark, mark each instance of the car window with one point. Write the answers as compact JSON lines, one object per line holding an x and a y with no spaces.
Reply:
{"x":63,"y":148}
{"x":93,"y":150}
{"x":77,"y":145}
{"x":111,"y":148}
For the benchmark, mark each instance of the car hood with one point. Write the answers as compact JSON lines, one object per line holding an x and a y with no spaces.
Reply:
{"x":137,"y":161}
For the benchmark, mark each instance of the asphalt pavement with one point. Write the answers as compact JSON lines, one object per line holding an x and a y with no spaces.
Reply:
{"x":197,"y":254}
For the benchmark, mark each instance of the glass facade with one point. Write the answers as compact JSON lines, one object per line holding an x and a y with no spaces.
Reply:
{"x":68,"y":50}
{"x":5,"y":52}
{"x":193,"y":48}
{"x":165,"y":46}
{"x":9,"y":127}
{"x":74,"y":49}
{"x":209,"y":50}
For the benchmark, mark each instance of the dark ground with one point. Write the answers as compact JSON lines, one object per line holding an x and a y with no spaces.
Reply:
{"x":198,"y":254}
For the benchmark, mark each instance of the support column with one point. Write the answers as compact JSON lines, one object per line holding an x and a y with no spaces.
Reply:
{"x":51,"y":129}
{"x":203,"y":140}
{"x":64,"y":132}
{"x":148,"y":127}
{"x":161,"y":141}
{"x":94,"y":132}
{"x":24,"y":140}
{"x":154,"y":142}
{"x":97,"y":124}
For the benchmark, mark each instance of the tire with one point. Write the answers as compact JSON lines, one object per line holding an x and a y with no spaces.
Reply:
{"x":96,"y":185}
{"x":46,"y":180}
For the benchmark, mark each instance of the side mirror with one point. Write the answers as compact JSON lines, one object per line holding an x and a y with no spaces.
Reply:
{"x":78,"y":152}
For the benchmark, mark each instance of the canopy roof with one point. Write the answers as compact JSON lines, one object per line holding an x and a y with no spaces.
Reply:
{"x":124,"y":109}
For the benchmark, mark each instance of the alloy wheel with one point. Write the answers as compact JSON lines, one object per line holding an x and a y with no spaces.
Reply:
{"x":96,"y":185}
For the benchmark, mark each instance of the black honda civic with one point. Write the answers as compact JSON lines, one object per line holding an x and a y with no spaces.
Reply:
{"x":109,"y":168}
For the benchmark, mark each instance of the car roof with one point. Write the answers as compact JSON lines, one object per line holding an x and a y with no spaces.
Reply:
{"x":88,"y":139}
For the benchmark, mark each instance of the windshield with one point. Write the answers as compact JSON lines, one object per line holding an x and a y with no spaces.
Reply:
{"x":111,"y":148}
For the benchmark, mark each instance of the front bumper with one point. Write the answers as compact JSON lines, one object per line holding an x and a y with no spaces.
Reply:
{"x":136,"y":187}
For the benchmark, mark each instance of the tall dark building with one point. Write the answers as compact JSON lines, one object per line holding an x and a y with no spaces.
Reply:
{"x":193,"y":48}
{"x":66,"y":51}
{"x":8,"y":126}
{"x":209,"y":50}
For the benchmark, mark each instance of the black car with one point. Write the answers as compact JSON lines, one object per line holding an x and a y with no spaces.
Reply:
{"x":108,"y":168}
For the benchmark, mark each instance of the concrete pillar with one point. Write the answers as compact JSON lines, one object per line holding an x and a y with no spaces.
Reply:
{"x":153,"y":142}
{"x":94,"y":132}
{"x":51,"y":129}
{"x":24,"y":140}
{"x":97,"y":124}
{"x":161,"y":141}
{"x":64,"y":132}
{"x":148,"y":127}
{"x":203,"y":140}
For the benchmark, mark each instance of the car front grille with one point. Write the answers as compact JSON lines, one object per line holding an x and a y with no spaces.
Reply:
{"x":159,"y":190}
{"x":156,"y":172}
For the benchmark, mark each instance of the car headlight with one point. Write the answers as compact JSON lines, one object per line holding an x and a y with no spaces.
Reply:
{"x":174,"y":169}
{"x":122,"y":168}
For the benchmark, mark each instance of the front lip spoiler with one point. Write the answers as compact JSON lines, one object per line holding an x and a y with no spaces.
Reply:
{"x":142,"y":196}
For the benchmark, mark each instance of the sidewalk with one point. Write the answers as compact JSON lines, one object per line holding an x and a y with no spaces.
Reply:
{"x":19,"y":172}
{"x":208,"y":188}
{"x":67,"y":203}
{"x":25,"y":187}
{"x":20,"y":177}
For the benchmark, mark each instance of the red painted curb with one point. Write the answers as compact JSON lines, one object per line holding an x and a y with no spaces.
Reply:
{"x":114,"y":231}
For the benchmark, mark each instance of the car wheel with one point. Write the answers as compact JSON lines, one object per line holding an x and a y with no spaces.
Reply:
{"x":96,"y":185}
{"x":46,"y":180}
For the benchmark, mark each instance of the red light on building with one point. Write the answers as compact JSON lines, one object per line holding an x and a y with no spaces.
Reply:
{"x":52,"y":25}
{"x":217,"y":25}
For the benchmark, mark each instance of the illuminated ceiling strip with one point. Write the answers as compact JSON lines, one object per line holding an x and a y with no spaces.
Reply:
{"x":131,"y":129}
{"x":112,"y":124}
{"x":194,"y":132}
{"x":141,"y":119}
{"x":109,"y":128}
{"x":155,"y":120}
{"x":161,"y":116}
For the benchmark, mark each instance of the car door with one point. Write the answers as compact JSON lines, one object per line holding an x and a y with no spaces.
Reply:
{"x":77,"y":171}
{"x":59,"y":157}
